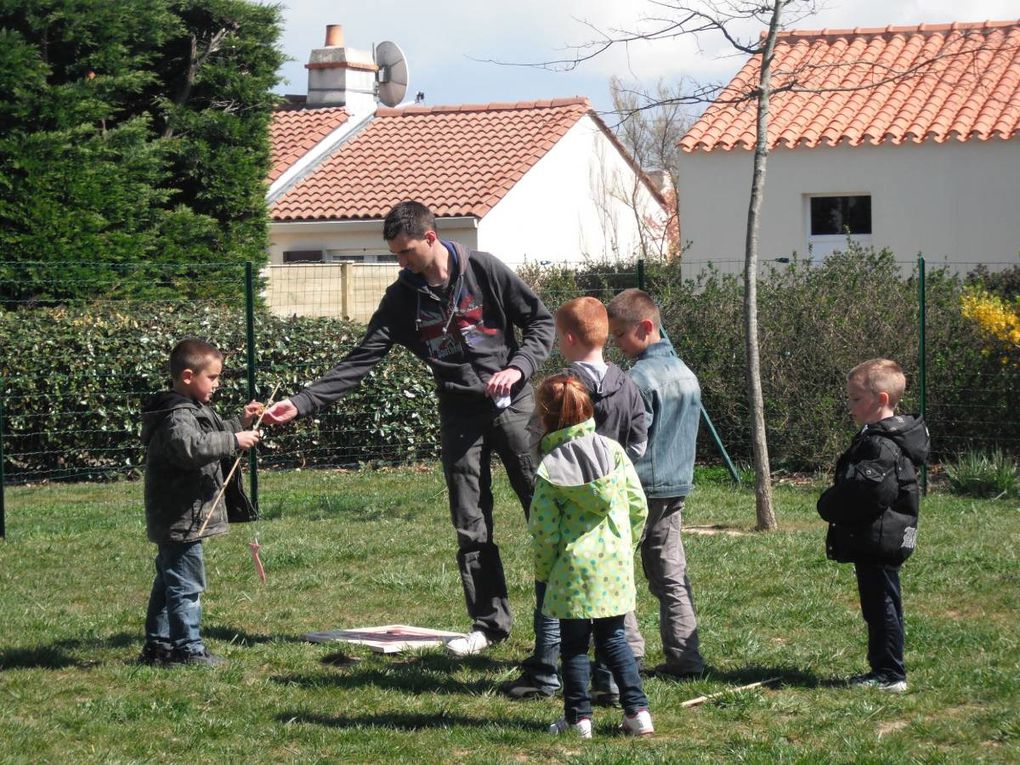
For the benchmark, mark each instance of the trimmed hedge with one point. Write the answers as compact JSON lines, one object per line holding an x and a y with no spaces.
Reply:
{"x":74,"y":381}
{"x":75,"y":378}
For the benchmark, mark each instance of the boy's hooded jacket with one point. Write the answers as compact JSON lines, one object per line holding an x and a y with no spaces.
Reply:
{"x":186,"y":445}
{"x":586,"y":518}
{"x":465,"y":339}
{"x":873,"y":505}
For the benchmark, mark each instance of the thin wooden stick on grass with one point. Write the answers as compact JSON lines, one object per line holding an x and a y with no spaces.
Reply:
{"x":702,"y":699}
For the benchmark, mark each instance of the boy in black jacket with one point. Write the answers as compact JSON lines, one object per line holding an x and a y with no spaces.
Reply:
{"x":872,"y":511}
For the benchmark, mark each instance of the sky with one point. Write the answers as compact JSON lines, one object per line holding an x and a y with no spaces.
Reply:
{"x":479,"y":51}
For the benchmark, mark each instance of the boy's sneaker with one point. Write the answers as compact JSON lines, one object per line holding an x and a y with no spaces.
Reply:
{"x":200,"y":659}
{"x":872,"y":680}
{"x":155,"y":655}
{"x":524,"y":689}
{"x":582,"y":727}
{"x":469,"y":645}
{"x":638,"y":724}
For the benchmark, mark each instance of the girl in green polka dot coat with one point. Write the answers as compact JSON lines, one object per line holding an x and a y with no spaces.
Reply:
{"x":586,"y":518}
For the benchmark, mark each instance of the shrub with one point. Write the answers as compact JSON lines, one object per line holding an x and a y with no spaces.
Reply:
{"x":75,"y":380}
{"x":983,"y":474}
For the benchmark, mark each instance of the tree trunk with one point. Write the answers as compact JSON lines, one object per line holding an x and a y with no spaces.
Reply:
{"x":764,"y":512}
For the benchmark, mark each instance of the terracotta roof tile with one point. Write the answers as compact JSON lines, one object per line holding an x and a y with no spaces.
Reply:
{"x":932,"y":82}
{"x":294,"y":131}
{"x":459,"y":160}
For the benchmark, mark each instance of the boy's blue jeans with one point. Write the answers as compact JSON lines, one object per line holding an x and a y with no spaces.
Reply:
{"x":175,"y":606}
{"x":612,"y":647}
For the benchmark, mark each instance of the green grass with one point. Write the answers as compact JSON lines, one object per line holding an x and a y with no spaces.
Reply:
{"x":356,"y":549}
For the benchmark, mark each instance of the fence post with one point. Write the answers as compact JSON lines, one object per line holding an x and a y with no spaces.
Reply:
{"x":922,"y":366}
{"x":641,"y":274}
{"x":3,"y":524}
{"x":347,"y":290}
{"x":249,"y":315}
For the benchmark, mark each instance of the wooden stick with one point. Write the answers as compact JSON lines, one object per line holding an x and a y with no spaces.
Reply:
{"x":237,"y":462}
{"x":709,"y":697}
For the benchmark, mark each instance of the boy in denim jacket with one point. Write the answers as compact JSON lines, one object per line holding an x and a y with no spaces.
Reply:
{"x":872,"y":510}
{"x":186,"y":443}
{"x":672,"y":400}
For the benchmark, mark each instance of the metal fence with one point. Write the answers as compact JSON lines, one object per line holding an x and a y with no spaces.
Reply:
{"x":79,"y":357}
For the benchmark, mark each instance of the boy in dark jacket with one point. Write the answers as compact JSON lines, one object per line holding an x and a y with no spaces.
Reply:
{"x":582,"y":328}
{"x":186,"y":442}
{"x":872,"y":511}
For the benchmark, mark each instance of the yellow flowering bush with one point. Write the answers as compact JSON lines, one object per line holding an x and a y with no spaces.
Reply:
{"x":998,"y":321}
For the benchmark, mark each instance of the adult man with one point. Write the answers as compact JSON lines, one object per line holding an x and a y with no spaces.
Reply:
{"x":456,"y":310}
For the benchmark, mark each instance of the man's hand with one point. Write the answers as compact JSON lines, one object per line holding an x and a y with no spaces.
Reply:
{"x":500,"y":383}
{"x":280,"y":412}
{"x":246,"y":439}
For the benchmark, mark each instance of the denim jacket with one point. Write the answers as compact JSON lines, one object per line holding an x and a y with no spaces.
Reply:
{"x":672,"y":399}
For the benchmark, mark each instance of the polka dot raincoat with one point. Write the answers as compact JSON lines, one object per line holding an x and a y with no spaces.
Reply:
{"x":586,"y":518}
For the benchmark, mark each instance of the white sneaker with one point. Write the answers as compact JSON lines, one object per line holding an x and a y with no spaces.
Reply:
{"x":638,"y":725}
{"x":469,"y":645}
{"x":582,"y":727}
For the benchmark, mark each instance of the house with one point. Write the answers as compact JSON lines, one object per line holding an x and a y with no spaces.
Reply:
{"x":536,"y":182}
{"x":900,"y":137}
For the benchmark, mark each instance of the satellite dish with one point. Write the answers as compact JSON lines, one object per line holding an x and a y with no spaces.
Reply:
{"x":392,"y":77}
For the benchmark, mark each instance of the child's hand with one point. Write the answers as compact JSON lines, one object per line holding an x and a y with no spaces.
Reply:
{"x":252,"y":410}
{"x":246,"y":439}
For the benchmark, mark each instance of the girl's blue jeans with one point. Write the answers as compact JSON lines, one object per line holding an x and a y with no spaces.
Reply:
{"x":611,"y":643}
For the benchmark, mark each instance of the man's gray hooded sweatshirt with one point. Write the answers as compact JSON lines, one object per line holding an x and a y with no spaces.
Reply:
{"x":464,"y":332}
{"x":185,"y":444}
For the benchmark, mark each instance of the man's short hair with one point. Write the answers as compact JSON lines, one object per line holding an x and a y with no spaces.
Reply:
{"x":586,"y":318}
{"x":194,"y":354}
{"x":633,"y":305}
{"x":410,"y":218}
{"x":880,"y":376}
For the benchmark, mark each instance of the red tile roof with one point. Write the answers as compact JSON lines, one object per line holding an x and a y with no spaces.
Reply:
{"x":294,"y":131}
{"x":931,"y":82}
{"x":459,"y":160}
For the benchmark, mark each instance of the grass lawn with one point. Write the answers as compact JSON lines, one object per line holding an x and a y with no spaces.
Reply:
{"x":375,"y":547}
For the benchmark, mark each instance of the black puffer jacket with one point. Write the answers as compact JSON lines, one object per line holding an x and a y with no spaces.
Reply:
{"x":186,"y":444}
{"x":873,"y":505}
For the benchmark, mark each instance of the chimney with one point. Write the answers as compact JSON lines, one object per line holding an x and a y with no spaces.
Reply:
{"x":339,"y":76}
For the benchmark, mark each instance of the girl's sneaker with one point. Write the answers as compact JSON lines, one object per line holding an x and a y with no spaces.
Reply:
{"x":638,"y":724}
{"x":582,"y":727}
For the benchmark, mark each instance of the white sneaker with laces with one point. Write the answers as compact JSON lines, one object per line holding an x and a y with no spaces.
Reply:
{"x":582,"y":727}
{"x":640,"y":724}
{"x":469,"y":645}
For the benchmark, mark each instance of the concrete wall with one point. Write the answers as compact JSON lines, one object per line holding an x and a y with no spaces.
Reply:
{"x":954,"y":203}
{"x":572,"y":205}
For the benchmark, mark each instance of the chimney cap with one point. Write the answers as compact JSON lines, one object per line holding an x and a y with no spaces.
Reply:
{"x":334,"y":36}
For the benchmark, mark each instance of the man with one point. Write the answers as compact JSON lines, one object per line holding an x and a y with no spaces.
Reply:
{"x":456,"y":310}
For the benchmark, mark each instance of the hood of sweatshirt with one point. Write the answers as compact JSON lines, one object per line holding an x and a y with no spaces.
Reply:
{"x":610,"y":384}
{"x":908,"y":431}
{"x":159,"y":407}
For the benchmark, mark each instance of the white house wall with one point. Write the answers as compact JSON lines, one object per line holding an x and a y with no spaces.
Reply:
{"x":954,"y":202}
{"x":568,"y":206}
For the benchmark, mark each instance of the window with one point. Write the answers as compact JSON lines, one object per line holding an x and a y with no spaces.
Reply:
{"x":302,"y":256}
{"x":831,"y":220}
{"x":839,"y":216}
{"x":361,"y":256}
